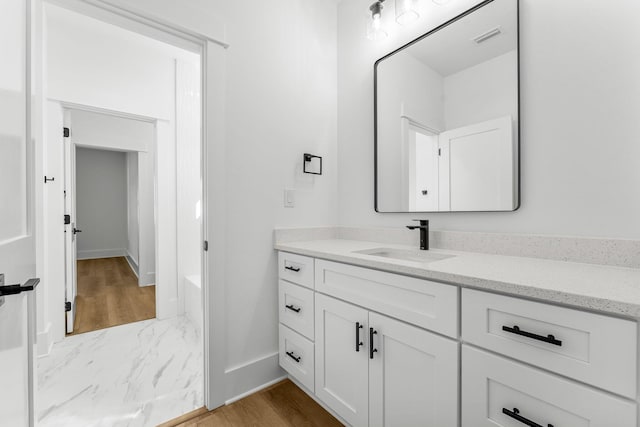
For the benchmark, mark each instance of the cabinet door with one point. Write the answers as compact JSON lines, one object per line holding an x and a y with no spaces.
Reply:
{"x":341,"y":364}
{"x":413,"y":376}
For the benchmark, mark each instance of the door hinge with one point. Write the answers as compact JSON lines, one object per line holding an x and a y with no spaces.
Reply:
{"x":67,"y":219}
{"x":205,"y":246}
{"x":439,"y":151}
{"x":66,"y":132}
{"x":67,"y":306}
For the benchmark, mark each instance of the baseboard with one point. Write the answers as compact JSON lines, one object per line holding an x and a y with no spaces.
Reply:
{"x":255,"y":390}
{"x":249,"y":377}
{"x":101,"y":253}
{"x":44,"y":341}
{"x":148,"y":279}
{"x":132,"y":263}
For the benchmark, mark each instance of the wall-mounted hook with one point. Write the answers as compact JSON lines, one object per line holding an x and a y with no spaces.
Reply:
{"x":48,"y":179}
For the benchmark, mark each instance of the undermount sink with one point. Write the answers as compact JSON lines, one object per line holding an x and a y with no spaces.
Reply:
{"x":405,"y":254}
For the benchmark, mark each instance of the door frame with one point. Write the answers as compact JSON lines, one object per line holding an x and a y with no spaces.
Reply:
{"x":213,"y":137}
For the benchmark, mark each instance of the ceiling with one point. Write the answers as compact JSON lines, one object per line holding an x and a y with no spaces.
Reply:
{"x":453,"y":49}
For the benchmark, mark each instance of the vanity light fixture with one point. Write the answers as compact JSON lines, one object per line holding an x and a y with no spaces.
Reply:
{"x":406,"y":11}
{"x":374,"y":24}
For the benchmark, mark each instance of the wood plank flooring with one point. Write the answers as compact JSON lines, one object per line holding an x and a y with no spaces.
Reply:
{"x":281,"y":405}
{"x":109,"y":295}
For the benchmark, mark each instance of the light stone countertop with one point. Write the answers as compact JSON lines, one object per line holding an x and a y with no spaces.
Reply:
{"x":613,"y":290}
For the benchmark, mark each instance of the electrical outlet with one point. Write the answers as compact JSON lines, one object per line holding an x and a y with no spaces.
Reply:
{"x":289,"y":198}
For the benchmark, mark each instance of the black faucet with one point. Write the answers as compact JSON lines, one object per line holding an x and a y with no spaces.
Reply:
{"x":424,"y":233}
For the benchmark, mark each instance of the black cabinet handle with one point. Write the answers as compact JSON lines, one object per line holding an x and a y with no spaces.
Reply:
{"x":288,"y":267}
{"x":292,"y":355}
{"x":548,"y":339}
{"x":293,"y":308}
{"x":358,"y":342}
{"x":372,"y":350}
{"x":515,"y":414}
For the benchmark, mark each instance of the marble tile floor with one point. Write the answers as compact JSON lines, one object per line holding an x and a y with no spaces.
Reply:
{"x":134,"y":375}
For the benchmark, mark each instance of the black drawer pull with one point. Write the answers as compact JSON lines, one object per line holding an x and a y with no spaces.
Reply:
{"x":548,"y":339}
{"x":292,"y":355}
{"x":293,"y":308}
{"x":288,"y":267}
{"x":515,"y":414}
{"x":372,"y":350}
{"x":358,"y":342}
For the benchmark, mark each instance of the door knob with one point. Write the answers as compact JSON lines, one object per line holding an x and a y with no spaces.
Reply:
{"x":76,"y":231}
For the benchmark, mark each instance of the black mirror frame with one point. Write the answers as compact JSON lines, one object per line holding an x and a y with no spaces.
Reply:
{"x":375,"y":109}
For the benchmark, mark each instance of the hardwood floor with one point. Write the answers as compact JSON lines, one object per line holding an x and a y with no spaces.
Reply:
{"x":109,"y":295}
{"x":281,"y":405}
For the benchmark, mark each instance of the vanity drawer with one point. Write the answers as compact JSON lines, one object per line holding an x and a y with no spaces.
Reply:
{"x":296,"y":268}
{"x":297,"y":357}
{"x":495,"y":391}
{"x":592,"y":348}
{"x":296,"y":308}
{"x":427,"y":304}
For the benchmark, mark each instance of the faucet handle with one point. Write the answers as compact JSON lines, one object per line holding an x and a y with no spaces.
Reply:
{"x":423,"y":222}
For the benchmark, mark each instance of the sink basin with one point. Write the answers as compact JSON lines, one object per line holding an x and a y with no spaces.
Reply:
{"x":405,"y":255}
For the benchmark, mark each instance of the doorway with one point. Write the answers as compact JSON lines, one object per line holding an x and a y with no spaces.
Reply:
{"x":133,"y":241}
{"x":115,"y":285}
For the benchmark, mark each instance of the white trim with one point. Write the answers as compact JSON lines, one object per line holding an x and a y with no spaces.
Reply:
{"x":106,"y":111}
{"x":101,"y":253}
{"x":44,"y":341}
{"x":132,"y":264}
{"x":419,"y":125}
{"x":250,"y":375}
{"x":214,"y":224}
{"x":255,"y":390}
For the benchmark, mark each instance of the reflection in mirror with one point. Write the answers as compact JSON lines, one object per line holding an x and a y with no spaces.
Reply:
{"x":447,"y":117}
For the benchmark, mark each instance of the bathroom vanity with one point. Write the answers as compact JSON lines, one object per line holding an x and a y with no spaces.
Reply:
{"x":389,"y":335}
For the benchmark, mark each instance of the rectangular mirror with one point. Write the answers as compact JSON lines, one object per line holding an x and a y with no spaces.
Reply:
{"x":447,"y":117}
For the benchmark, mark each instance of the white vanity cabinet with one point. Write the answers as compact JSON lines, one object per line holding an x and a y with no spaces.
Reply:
{"x":385,"y":349}
{"x":377,"y":371}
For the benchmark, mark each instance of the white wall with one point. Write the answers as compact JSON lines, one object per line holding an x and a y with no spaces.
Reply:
{"x":127,"y":73}
{"x":133,"y":229}
{"x":418,"y":94}
{"x":101,"y":203}
{"x":579,"y":101}
{"x":281,"y":103}
{"x":486,"y":91}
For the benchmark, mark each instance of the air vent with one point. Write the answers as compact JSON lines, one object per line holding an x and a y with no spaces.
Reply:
{"x":487,"y":35}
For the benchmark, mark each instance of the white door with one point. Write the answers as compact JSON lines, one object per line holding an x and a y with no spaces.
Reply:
{"x":413,"y":376}
{"x":342,"y":358}
{"x":423,"y":165}
{"x":17,"y":243}
{"x":71,"y":230}
{"x":478,"y":167}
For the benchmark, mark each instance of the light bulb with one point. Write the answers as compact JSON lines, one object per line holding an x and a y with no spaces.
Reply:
{"x":374,"y":22}
{"x":406,"y":11}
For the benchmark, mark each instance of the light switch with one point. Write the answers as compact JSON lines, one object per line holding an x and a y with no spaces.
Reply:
{"x":289,"y":198}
